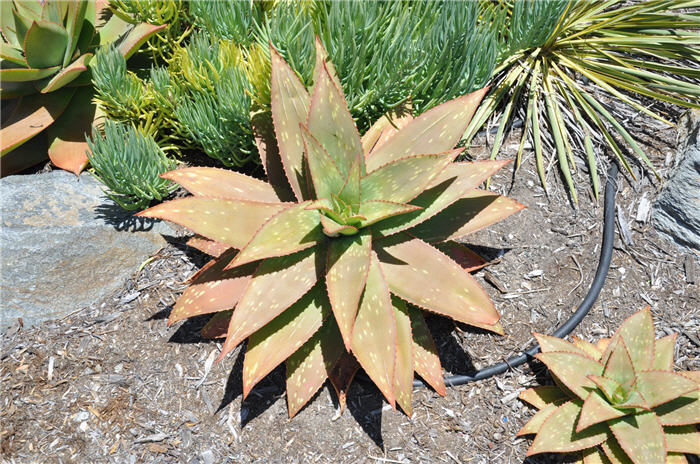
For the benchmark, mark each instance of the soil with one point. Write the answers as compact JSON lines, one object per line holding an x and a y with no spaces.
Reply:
{"x":112,"y":383}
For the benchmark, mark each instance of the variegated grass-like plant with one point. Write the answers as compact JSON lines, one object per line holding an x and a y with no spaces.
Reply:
{"x":617,"y":401}
{"x":317,"y":266}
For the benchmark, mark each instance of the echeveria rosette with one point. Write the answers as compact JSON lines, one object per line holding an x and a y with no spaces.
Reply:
{"x":617,"y":401}
{"x":336,"y":279}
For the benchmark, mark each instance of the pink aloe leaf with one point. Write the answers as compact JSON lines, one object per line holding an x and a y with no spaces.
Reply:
{"x":540,"y":397}
{"x":619,"y":366}
{"x":683,"y":439}
{"x":663,"y":353}
{"x":558,"y":432}
{"x":426,"y":362}
{"x":341,"y":377}
{"x":233,"y":222}
{"x":638,"y":333}
{"x":572,"y":370}
{"x":692,"y":375}
{"x":588,"y":347}
{"x":594,"y":456}
{"x":462,"y":255}
{"x":137,"y":37}
{"x":536,"y":421}
{"x":403,"y":375}
{"x":290,"y":107}
{"x":474,"y":211}
{"x":283,"y":336}
{"x":207,"y":246}
{"x":681,"y":411}
{"x":217,"y":326}
{"x":640,"y":436}
{"x":405,"y":178}
{"x":67,"y":74}
{"x":327,"y":179}
{"x":675,"y":458}
{"x":350,"y":193}
{"x":222,"y":183}
{"x":293,"y":229}
{"x":436,"y":130}
{"x":659,"y":387}
{"x":386,"y":127}
{"x":377,"y":210}
{"x":374,"y":334}
{"x":333,"y":229}
{"x":264,"y":135}
{"x":331,"y":123}
{"x":347,"y":266}
{"x":615,"y":454}
{"x":606,"y":385}
{"x":276,"y":285}
{"x":549,"y":343}
{"x":423,"y":276}
{"x":595,"y":410}
{"x":321,"y":59}
{"x":309,"y":366}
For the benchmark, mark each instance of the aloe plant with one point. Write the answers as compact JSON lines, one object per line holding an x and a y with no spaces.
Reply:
{"x":618,"y":400}
{"x":47,"y":47}
{"x":329,"y":264}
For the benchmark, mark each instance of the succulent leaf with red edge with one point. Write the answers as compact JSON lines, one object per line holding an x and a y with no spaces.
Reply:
{"x":339,"y":277}
{"x":619,"y":401}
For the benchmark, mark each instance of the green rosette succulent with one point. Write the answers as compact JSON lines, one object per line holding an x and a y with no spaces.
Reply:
{"x":618,"y":401}
{"x":45,"y":51}
{"x":329,"y":264}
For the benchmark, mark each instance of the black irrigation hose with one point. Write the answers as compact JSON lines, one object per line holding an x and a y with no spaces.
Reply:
{"x":568,"y":326}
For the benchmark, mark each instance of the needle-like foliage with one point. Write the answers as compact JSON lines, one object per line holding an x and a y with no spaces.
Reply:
{"x":329,"y":265}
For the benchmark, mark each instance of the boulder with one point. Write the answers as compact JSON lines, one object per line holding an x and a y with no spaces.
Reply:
{"x":64,"y":245}
{"x":677,"y":208}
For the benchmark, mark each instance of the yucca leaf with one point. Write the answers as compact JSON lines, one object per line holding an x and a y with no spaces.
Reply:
{"x":341,"y":377}
{"x":217,"y":326}
{"x":462,"y":255}
{"x":637,"y":331}
{"x":659,"y":387}
{"x":284,"y":335}
{"x":403,"y":375}
{"x":292,"y":229}
{"x":426,"y":362}
{"x":595,"y":410}
{"x":209,"y":247}
{"x":558,"y":434}
{"x":331,"y":123}
{"x":409,"y":263}
{"x":222,"y":183}
{"x":290,"y":107}
{"x":325,"y":175}
{"x":308,"y":368}
{"x":550,"y":343}
{"x":211,"y":217}
{"x":663,"y":352}
{"x":556,"y":126}
{"x":45,"y":44}
{"x":404,"y":178}
{"x":572,"y":370}
{"x":374,"y":333}
{"x":536,"y":421}
{"x":68,"y":74}
{"x":640,"y":436}
{"x":683,"y":439}
{"x":681,"y":411}
{"x":283,"y":281}
{"x":436,"y":130}
{"x":619,"y":366}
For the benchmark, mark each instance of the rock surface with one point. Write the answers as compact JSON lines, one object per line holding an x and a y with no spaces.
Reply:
{"x":64,"y":245}
{"x":677,"y":208}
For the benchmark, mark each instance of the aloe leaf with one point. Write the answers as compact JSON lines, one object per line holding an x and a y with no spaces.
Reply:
{"x":74,"y":23}
{"x":536,"y":421}
{"x":403,"y":375}
{"x":405,"y":178}
{"x":423,"y":276}
{"x":331,"y":123}
{"x":549,"y":343}
{"x":681,"y":411}
{"x":595,"y":410}
{"x":36,"y":113}
{"x":213,"y":290}
{"x":638,"y":333}
{"x":292,"y":229}
{"x":7,"y":26}
{"x":327,"y":179}
{"x":346,"y":274}
{"x":437,"y":130}
{"x":659,"y":387}
{"x":341,"y":377}
{"x":217,"y":326}
{"x":474,"y":211}
{"x":206,"y":246}
{"x":308,"y":368}
{"x":462,"y":255}
{"x":45,"y":44}
{"x":222,"y":183}
{"x":384,"y":128}
{"x":350,"y":193}
{"x":283,"y":281}
{"x":615,"y":453}
{"x":664,"y":349}
{"x":594,"y":456}
{"x":445,"y":189}
{"x":619,"y":366}
{"x":321,"y":60}
{"x":333,"y":229}
{"x":640,"y":436}
{"x":558,"y":434}
{"x":24,"y":75}
{"x":375,"y":210}
{"x":284,"y":335}
{"x":12,"y":54}
{"x":683,"y":439}
{"x":22,"y":22}
{"x":587,"y":347}
{"x":290,"y":107}
{"x":137,"y":37}
{"x":68,"y":74}
{"x":572,"y":370}
{"x":213,"y":217}
{"x":540,"y":397}
{"x":426,"y":362}
{"x":675,"y":458}
{"x":264,"y":135}
{"x":374,"y":334}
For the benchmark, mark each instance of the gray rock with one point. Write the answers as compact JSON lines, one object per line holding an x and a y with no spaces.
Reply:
{"x":677,"y":208}
{"x":64,"y":245}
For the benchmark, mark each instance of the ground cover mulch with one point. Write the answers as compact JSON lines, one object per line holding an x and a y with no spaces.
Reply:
{"x":112,"y":383}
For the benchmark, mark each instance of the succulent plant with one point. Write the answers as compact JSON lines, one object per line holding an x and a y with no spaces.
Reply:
{"x":329,"y":265}
{"x":616,"y":401}
{"x":46,"y":49}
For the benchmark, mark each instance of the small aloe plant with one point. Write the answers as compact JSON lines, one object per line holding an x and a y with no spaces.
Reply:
{"x":617,"y":401}
{"x":323,"y":280}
